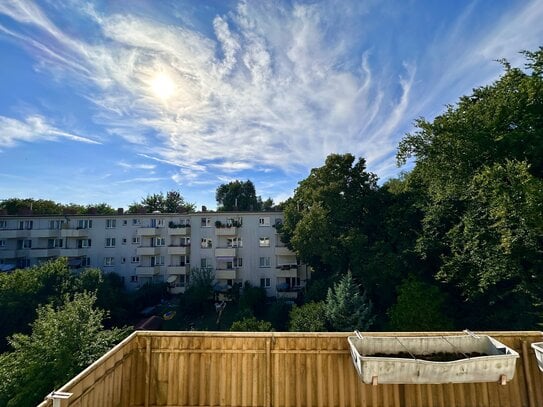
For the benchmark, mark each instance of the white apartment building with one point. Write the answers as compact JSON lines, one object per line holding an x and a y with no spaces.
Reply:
{"x":142,"y":248}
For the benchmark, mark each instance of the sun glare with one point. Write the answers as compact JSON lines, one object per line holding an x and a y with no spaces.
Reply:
{"x":162,"y":86}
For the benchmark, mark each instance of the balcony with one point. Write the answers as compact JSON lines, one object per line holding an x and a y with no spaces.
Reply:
{"x":74,"y":252}
{"x":226,"y":252}
{"x":148,"y":231}
{"x":178,"y":270}
{"x":182,"y":250}
{"x":15,"y":233}
{"x":147,"y":270}
{"x":147,"y":250}
{"x":44,"y":233}
{"x":179,"y":231}
{"x":287,"y":271}
{"x":74,"y":232}
{"x":40,"y":252}
{"x":7,"y":254}
{"x":226,"y":231}
{"x":284,"y":251}
{"x":160,"y":368}
{"x":226,"y":274}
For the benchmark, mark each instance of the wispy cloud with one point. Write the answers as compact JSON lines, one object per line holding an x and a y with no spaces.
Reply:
{"x":32,"y":129}
{"x":133,"y":166}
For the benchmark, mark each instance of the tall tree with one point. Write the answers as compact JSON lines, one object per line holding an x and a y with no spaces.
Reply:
{"x":63,"y":341}
{"x":238,"y":196}
{"x":171,"y":202}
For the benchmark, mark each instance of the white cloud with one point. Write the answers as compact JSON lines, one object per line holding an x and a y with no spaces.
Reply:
{"x":34,"y":128}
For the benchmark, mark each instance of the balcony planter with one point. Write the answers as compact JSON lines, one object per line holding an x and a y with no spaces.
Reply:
{"x":432,"y":359}
{"x":538,"y":349}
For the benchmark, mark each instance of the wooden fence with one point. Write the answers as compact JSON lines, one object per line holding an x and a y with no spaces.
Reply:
{"x":176,"y":369}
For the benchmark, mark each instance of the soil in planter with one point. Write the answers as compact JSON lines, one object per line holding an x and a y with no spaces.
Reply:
{"x":433,"y":357}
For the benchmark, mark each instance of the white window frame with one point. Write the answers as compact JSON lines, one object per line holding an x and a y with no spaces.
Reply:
{"x":110,"y":242}
{"x":3,"y":224}
{"x":234,"y":242}
{"x":135,"y":259}
{"x":265,"y":282}
{"x":3,"y":243}
{"x":27,"y":244}
{"x":109,"y":261}
{"x":84,"y":224}
{"x":205,"y":263}
{"x":265,"y":262}
{"x":136,"y":222}
{"x":136,"y":240}
{"x":160,"y":241}
{"x":84,"y":243}
{"x":264,"y":221}
{"x":238,"y":261}
{"x":264,"y":242}
{"x":111,"y":223}
{"x":206,"y":243}
{"x":205,"y":222}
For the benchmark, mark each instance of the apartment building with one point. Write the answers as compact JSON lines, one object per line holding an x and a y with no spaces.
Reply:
{"x":142,"y":248}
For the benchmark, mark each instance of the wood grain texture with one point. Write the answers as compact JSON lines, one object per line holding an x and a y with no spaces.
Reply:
{"x":174,"y":369}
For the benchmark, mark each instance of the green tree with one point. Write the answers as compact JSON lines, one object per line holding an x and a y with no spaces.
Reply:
{"x":345,"y":308}
{"x":14,"y":206}
{"x":238,"y":196}
{"x":171,"y":202}
{"x":251,"y":324}
{"x":63,"y":341}
{"x":419,"y":308}
{"x":199,"y":290}
{"x":310,"y":317}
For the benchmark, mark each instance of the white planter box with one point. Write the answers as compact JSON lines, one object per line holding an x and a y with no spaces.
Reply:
{"x":538,"y":349}
{"x":377,"y":359}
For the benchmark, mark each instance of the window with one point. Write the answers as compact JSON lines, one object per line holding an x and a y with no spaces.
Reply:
{"x":133,"y":279}
{"x":206,"y":222}
{"x":184,"y":241}
{"x":109,"y":261}
{"x":110,"y":242}
{"x":84,"y":224}
{"x":136,"y":240}
{"x":55,"y":224}
{"x":205,"y":263}
{"x":264,"y":242}
{"x":206,"y":243}
{"x":123,"y":260}
{"x":124,"y":240}
{"x":85,"y":261}
{"x":82,"y":243}
{"x":265,"y":282}
{"x":135,"y":222}
{"x":26,"y":224}
{"x":23,"y":262}
{"x":264,"y":262}
{"x":2,"y":243}
{"x":53,"y":243}
{"x":278,"y":222}
{"x":264,"y":221}
{"x":293,"y":281}
{"x":125,"y":222}
{"x":238,"y":262}
{"x":24,"y":244}
{"x":160,"y":241}
{"x":135,"y":259}
{"x":234,"y":242}
{"x":157,"y":261}
{"x":111,"y":223}
{"x":156,"y":223}
{"x":3,"y":224}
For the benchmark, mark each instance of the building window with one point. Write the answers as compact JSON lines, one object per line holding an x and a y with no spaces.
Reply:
{"x":157,"y":261}
{"x":133,"y":279}
{"x":265,"y":282}
{"x":110,"y":242}
{"x":160,"y":241}
{"x":135,"y":259}
{"x":125,"y":222}
{"x":206,"y":222}
{"x":293,"y":281}
{"x":265,"y":262}
{"x":53,"y":243}
{"x":24,"y":244}
{"x":3,"y":224}
{"x":238,"y":262}
{"x":156,"y":223}
{"x":205,"y":263}
{"x":82,"y":243}
{"x":135,"y":222}
{"x":26,"y":224}
{"x":124,"y":240}
{"x":234,"y":242}
{"x":264,"y":221}
{"x":23,"y":262}
{"x":123,"y":260}
{"x":206,"y":243}
{"x":264,"y":242}
{"x":111,"y":223}
{"x":84,"y":224}
{"x":2,"y":243}
{"x":85,"y":261}
{"x":136,"y":240}
{"x":109,"y":261}
{"x":55,"y":224}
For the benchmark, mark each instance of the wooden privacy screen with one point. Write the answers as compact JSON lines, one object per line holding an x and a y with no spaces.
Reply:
{"x":276,"y":369}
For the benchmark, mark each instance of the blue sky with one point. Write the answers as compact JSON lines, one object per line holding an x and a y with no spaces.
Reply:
{"x":112,"y":100}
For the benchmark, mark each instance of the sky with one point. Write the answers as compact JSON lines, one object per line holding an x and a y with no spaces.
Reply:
{"x":109,"y":101}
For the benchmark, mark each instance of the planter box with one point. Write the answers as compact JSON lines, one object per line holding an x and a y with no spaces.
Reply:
{"x":538,"y":349}
{"x":404,"y":360}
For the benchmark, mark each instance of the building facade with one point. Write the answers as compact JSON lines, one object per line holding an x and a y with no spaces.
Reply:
{"x":143,"y":248}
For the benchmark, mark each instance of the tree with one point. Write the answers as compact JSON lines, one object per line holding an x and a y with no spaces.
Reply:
{"x":172,"y":202}
{"x":63,"y":341}
{"x":419,"y":308}
{"x":324,"y":220}
{"x":238,"y":196}
{"x":199,"y":290}
{"x":310,"y":317}
{"x":345,"y":308}
{"x":251,"y":324}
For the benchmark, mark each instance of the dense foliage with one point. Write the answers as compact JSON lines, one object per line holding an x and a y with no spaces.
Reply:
{"x":172,"y":202}
{"x":241,"y":196}
{"x":15,"y":206}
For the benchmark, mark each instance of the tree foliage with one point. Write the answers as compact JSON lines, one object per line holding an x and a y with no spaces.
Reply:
{"x":238,"y":196}
{"x":15,"y":206}
{"x":171,"y":202}
{"x":64,"y":340}
{"x":251,"y":324}
{"x":309,"y":317}
{"x":345,"y":308}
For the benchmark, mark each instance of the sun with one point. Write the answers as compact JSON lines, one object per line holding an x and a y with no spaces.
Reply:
{"x":162,"y":86}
